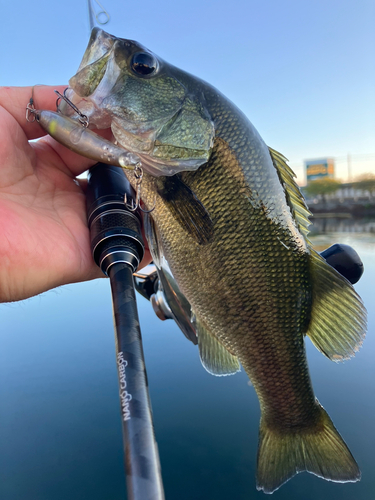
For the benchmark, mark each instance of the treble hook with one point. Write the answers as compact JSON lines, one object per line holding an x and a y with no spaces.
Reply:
{"x":82,"y":118}
{"x":138,"y":174}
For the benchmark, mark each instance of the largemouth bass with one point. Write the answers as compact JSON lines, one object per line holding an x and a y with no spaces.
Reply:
{"x":227,"y":210}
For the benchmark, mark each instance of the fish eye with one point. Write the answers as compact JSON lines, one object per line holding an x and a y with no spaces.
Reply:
{"x":143,"y":64}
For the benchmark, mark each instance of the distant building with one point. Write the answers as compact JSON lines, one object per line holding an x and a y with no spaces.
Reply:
{"x":318,"y":169}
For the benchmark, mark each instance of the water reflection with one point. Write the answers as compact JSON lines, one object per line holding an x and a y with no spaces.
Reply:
{"x":341,"y":225}
{"x":60,"y":432}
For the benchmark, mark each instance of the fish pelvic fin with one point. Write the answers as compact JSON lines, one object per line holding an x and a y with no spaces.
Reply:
{"x":215,"y":358}
{"x":338,"y":317}
{"x":319,"y":450}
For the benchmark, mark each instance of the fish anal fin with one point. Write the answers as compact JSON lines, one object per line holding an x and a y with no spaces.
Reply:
{"x":215,"y":358}
{"x":319,"y":450}
{"x":338,"y":317}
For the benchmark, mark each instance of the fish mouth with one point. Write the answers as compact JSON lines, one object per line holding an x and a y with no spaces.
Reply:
{"x":93,"y":81}
{"x":99,"y":45}
{"x":94,"y":64}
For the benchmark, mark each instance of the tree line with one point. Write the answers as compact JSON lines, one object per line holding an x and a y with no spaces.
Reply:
{"x":326,"y":186}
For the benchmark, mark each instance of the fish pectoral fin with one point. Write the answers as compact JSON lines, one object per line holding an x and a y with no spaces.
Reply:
{"x":318,"y":449}
{"x":186,"y":208}
{"x":338,"y":317}
{"x":215,"y":358}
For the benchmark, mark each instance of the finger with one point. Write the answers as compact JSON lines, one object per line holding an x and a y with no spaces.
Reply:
{"x":147,"y":259}
{"x":15,"y":100}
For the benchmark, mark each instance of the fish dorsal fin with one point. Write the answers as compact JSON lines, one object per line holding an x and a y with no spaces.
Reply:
{"x":215,"y":358}
{"x":338,"y":317}
{"x":293,"y":194}
{"x":186,"y":208}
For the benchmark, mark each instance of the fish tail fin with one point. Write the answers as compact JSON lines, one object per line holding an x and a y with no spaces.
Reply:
{"x":319,"y":450}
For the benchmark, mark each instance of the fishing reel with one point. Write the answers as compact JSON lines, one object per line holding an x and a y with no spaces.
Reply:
{"x":148,"y":285}
{"x":345,"y":260}
{"x":160,"y":288}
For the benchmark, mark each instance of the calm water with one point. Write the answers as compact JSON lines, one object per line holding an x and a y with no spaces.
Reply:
{"x":60,"y":433}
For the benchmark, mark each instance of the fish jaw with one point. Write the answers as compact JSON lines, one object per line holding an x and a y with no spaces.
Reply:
{"x":154,"y":116}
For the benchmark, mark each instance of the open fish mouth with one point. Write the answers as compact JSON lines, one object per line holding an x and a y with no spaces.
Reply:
{"x":83,"y":89}
{"x":91,"y":85}
{"x":99,"y":45}
{"x":95,"y":87}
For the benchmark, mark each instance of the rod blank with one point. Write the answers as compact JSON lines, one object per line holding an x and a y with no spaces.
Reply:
{"x":141,"y":454}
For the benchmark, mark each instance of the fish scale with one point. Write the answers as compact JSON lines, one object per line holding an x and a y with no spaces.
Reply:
{"x":257,"y":318}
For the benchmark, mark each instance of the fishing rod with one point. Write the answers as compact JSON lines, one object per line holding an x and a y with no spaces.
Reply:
{"x":101,"y":17}
{"x":117,"y":247}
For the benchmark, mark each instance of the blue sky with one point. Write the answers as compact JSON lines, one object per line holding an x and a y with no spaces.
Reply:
{"x":303,"y":72}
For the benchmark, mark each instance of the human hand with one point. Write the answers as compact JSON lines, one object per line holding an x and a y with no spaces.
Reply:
{"x":44,"y":239}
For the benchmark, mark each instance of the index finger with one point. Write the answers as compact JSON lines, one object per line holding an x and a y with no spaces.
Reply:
{"x":15,"y":100}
